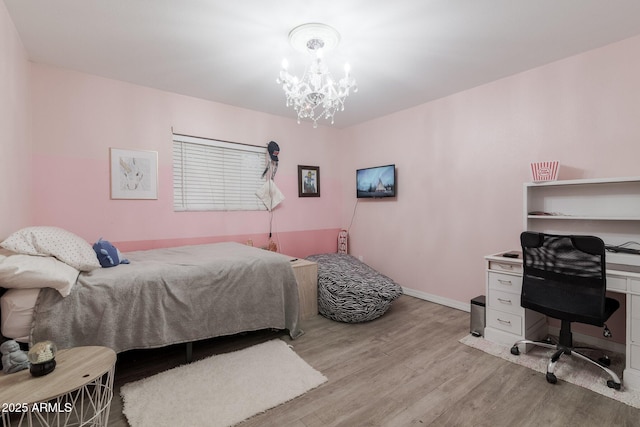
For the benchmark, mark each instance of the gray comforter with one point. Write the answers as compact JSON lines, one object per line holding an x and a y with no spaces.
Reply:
{"x":173,"y":295}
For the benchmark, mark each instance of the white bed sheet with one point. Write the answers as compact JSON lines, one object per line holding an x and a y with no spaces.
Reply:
{"x":17,"y":307}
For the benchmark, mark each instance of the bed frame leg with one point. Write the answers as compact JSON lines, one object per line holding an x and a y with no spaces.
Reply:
{"x":189,"y":355}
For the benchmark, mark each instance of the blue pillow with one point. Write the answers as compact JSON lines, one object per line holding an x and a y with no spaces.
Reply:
{"x":107,"y":254}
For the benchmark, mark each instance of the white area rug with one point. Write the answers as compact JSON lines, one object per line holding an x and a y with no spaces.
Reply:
{"x":568,"y":369}
{"x":221,"y":390}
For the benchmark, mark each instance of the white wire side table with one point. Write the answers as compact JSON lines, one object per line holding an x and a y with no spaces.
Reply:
{"x":77,"y":393}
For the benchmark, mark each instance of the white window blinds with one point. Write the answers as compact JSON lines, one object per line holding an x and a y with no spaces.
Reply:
{"x":212,"y":175}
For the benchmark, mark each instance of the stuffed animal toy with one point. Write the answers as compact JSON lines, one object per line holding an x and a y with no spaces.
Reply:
{"x":108,"y":255}
{"x":13,"y":359}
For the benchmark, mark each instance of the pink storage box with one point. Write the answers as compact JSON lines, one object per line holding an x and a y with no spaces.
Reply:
{"x":544,"y":171}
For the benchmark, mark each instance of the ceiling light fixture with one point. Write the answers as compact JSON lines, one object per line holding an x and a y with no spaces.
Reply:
{"x":316,"y":95}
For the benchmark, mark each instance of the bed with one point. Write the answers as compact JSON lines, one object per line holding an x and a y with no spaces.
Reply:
{"x":164,"y":297}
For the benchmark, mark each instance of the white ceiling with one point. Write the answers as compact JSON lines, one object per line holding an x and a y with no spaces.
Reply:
{"x":402,"y":52}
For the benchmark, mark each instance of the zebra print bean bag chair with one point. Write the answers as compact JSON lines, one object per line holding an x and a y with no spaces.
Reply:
{"x":351,"y":291}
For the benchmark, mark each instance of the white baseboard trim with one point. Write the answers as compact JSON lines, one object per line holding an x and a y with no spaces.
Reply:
{"x":437,"y":299}
{"x":591,"y":341}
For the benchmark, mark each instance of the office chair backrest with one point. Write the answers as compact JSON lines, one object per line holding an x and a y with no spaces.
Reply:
{"x":564,"y":276}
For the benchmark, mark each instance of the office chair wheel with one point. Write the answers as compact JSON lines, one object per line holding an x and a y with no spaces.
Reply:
{"x":613,"y":384}
{"x":515,"y":350}
{"x":604,"y":361}
{"x":552,"y":379}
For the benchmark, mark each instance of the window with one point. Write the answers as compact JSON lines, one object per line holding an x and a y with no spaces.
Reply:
{"x":212,"y":175}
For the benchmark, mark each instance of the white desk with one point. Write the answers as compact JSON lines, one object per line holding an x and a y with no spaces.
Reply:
{"x":507,"y":322}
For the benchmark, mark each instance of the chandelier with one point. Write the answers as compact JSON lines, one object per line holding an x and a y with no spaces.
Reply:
{"x":316,"y":95}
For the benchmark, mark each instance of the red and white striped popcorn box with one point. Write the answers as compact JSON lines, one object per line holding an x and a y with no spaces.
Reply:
{"x":544,"y":171}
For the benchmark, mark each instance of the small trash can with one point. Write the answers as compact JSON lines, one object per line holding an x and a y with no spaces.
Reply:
{"x":477,"y":316}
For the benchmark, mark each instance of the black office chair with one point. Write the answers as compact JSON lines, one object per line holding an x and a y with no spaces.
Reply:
{"x":564,"y":277}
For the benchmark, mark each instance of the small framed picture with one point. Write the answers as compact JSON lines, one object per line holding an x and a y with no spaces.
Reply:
{"x":308,"y":181}
{"x":134,"y":174}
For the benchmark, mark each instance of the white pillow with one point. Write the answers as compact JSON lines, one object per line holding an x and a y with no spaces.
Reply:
{"x":17,"y":307}
{"x":56,"y":242}
{"x":21,"y":271}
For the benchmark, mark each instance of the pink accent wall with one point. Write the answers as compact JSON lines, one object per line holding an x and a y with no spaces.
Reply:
{"x":78,"y":117}
{"x":15,"y":161}
{"x":299,"y":244}
{"x":462,"y":160}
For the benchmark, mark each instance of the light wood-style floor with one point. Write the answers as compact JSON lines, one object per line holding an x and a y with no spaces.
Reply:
{"x":406,"y":368}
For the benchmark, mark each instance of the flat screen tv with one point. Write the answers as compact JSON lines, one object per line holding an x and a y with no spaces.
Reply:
{"x":376,"y":182}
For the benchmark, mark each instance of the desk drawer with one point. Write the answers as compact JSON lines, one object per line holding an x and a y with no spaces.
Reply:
{"x":634,"y":357}
{"x":505,"y":266}
{"x":507,"y":322}
{"x":615,"y":283}
{"x":505,"y":301}
{"x":633,"y":314}
{"x":505,"y":282}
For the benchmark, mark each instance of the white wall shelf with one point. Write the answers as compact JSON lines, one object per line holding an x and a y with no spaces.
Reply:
{"x":608,"y":208}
